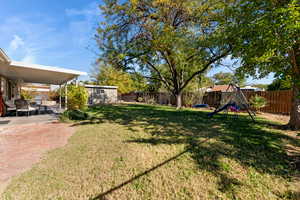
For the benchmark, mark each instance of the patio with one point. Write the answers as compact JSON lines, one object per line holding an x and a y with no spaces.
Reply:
{"x":32,"y":119}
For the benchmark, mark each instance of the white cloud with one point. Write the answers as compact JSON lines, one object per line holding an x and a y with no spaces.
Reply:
{"x":60,"y":40}
{"x":29,"y":59}
{"x":91,"y":10}
{"x":26,"y":53}
{"x":75,"y":12}
{"x":29,"y":41}
{"x":16,"y":42}
{"x":83,"y":23}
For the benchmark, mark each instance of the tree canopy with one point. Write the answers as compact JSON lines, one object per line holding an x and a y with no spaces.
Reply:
{"x":225,"y":78}
{"x":266,"y":32}
{"x":267,"y":40}
{"x":177,"y":40}
{"x":108,"y":75}
{"x":284,"y":83}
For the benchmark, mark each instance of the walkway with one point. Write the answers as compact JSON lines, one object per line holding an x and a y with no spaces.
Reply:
{"x":22,"y":143}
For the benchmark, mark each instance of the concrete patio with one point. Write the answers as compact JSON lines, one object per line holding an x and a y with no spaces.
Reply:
{"x":32,"y":119}
{"x":24,"y":140}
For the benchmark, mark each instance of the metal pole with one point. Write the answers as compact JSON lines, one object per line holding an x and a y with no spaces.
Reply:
{"x":59,"y":97}
{"x":66,"y":96}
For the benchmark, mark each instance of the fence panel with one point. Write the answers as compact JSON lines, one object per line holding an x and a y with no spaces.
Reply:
{"x":278,"y":101}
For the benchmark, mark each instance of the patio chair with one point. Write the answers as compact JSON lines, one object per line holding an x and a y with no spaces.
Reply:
{"x":10,"y":106}
{"x":24,"y":106}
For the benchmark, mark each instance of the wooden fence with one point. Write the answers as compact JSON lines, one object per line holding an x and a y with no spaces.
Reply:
{"x":278,"y":101}
{"x":163,"y":98}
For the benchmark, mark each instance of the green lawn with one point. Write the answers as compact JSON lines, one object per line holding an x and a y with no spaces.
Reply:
{"x":155,"y":152}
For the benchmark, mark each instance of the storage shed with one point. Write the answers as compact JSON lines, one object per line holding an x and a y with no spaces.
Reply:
{"x":99,"y":94}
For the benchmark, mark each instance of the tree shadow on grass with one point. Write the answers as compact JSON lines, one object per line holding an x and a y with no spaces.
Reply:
{"x":250,"y":144}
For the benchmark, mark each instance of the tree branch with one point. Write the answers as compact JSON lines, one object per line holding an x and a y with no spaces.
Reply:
{"x":206,"y":67}
{"x":163,"y":79}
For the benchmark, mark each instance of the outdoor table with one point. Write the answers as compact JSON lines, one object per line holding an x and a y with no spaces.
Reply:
{"x":41,"y":107}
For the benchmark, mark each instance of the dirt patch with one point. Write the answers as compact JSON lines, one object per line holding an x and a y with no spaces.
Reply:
{"x":283,"y":119}
{"x":23,"y":145}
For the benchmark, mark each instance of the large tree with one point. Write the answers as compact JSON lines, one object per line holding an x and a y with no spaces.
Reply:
{"x":267,"y":39}
{"x":280,"y":83}
{"x":225,"y":78}
{"x":108,"y":75}
{"x":177,"y":40}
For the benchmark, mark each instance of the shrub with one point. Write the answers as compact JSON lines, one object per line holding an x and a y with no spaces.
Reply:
{"x":27,"y":95}
{"x":151,"y":101}
{"x":77,"y":97}
{"x":140,"y":99}
{"x":54,"y":95}
{"x":74,"y":115}
{"x":258,"y":102}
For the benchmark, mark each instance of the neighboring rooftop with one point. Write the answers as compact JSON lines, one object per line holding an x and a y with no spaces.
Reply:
{"x":248,"y":87}
{"x":215,"y":88}
{"x":223,"y":88}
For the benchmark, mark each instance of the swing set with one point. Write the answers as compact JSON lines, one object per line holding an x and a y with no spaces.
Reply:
{"x":235,"y":102}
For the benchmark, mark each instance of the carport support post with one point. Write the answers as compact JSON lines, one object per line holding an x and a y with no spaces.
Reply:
{"x":66,"y":96}
{"x":59,"y":97}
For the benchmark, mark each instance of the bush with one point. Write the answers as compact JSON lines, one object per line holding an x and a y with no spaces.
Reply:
{"x":151,"y":101}
{"x":54,"y":95}
{"x":74,"y":115}
{"x":140,"y":99}
{"x":258,"y":102}
{"x":77,"y":97}
{"x":27,"y":95}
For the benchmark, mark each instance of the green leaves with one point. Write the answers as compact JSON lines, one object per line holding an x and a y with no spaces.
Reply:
{"x":265,"y":33}
{"x":175,"y":40}
{"x":258,"y":102}
{"x":77,"y":97}
{"x":108,"y":75}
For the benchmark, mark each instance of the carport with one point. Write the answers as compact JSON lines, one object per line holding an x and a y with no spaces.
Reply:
{"x":19,"y":72}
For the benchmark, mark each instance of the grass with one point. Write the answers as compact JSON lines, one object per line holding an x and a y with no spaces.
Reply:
{"x":156,"y":152}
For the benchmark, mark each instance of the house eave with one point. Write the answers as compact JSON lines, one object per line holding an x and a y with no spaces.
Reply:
{"x":3,"y":57}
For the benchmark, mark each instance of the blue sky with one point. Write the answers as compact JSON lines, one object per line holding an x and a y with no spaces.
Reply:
{"x":229,"y":65}
{"x":57,"y":33}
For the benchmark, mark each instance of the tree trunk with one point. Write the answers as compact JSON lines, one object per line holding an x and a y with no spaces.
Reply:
{"x":178,"y":100}
{"x":294,"y":122}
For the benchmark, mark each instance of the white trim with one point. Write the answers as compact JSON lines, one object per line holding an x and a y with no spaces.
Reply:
{"x":36,"y":89}
{"x":101,"y":86}
{"x":47,"y":68}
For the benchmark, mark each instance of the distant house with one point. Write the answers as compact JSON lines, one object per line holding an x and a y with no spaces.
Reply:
{"x":219,"y":88}
{"x":99,"y":94}
{"x":224,"y":88}
{"x":249,"y":88}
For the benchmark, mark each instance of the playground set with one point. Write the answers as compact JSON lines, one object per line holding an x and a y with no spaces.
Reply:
{"x":234,"y":103}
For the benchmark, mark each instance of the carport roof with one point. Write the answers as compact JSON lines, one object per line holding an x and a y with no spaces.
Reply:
{"x":33,"y":73}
